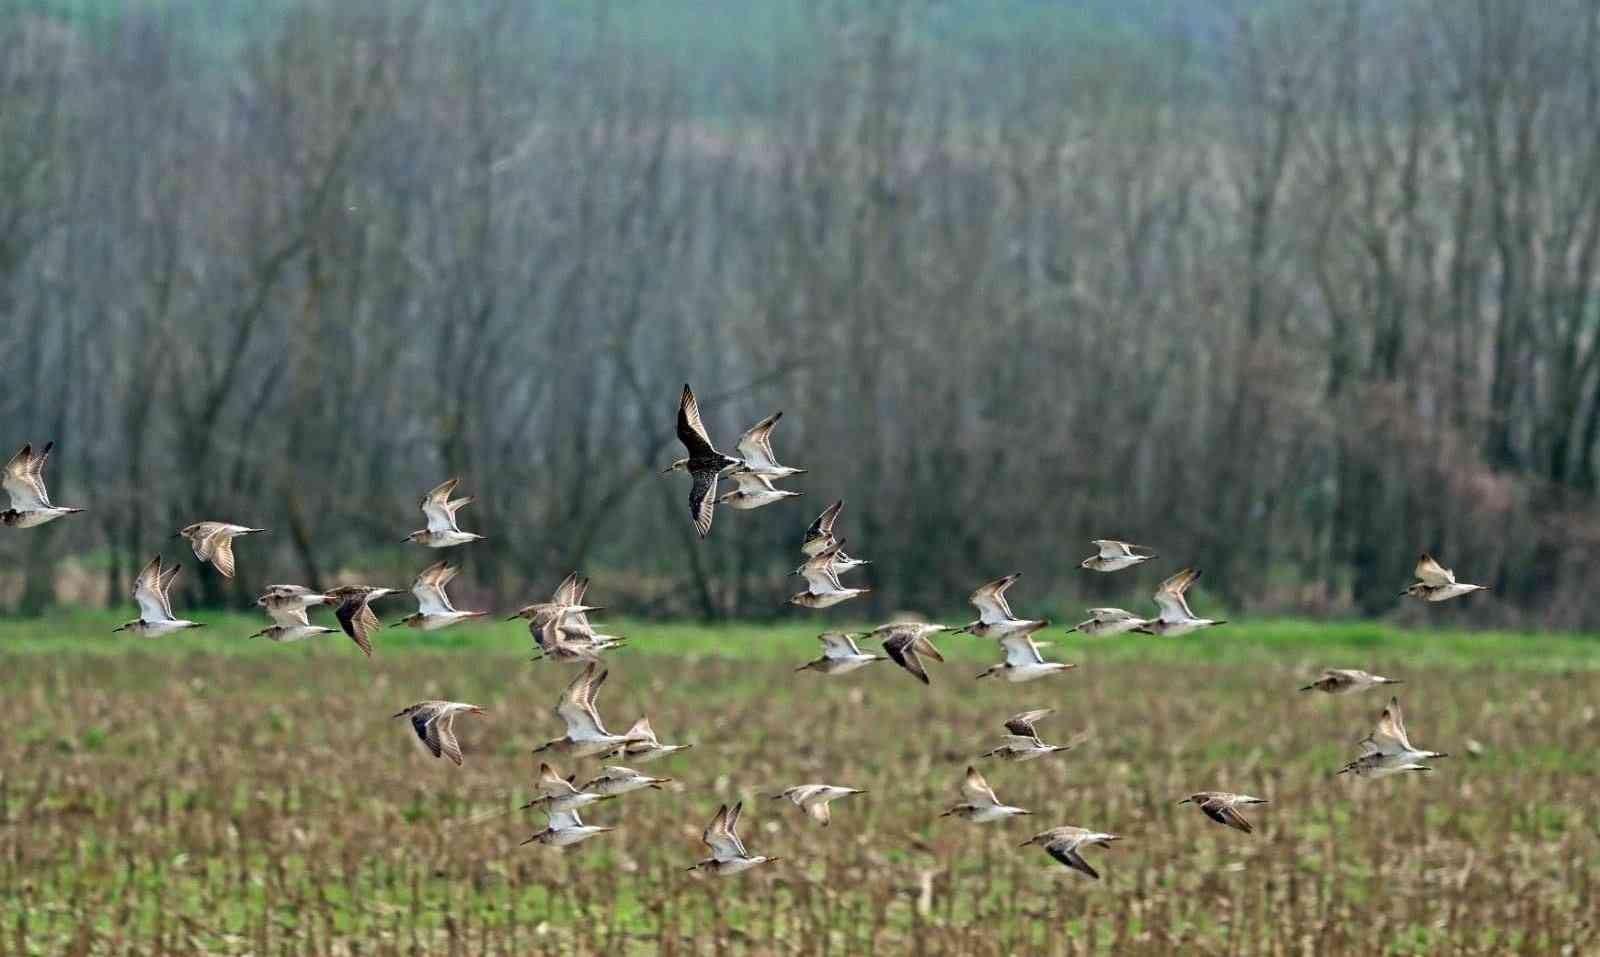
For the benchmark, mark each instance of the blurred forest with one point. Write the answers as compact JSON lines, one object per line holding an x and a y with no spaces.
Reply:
{"x":1290,"y":291}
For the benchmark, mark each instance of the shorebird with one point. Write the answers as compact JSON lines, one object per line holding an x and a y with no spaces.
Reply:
{"x":840,"y":655}
{"x":1062,"y":843}
{"x":566,"y":602}
{"x":1437,"y":583}
{"x":831,"y":559}
{"x":558,"y":643}
{"x":1387,"y":750}
{"x":1176,"y":618}
{"x":440,"y":509}
{"x":1105,"y":622}
{"x":566,"y":829}
{"x":823,"y":590}
{"x":1115,"y":556}
{"x":704,"y":463}
{"x":586,"y":736}
{"x":1023,"y":661}
{"x":1223,"y":807}
{"x":906,"y":642}
{"x":819,"y":535}
{"x":755,"y":490}
{"x":434,"y":610}
{"x":728,"y":855}
{"x":150,"y":590}
{"x":755,"y":448}
{"x":291,"y":625}
{"x":995,"y":619}
{"x":556,"y":793}
{"x":614,"y":780}
{"x":1023,"y":743}
{"x":283,"y":602}
{"x":815,"y":798}
{"x":980,"y":805}
{"x":434,"y":722}
{"x":24,"y":483}
{"x":355,"y":614}
{"x":1346,"y":680}
{"x":213,"y":542}
{"x":643,"y":747}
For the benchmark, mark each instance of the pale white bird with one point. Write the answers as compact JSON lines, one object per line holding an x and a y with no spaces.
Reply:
{"x":755,"y":491}
{"x":728,"y":854}
{"x":1436,"y":582}
{"x":434,"y":610}
{"x":755,"y":448}
{"x":440,"y":510}
{"x":1105,"y":622}
{"x":1387,"y":750}
{"x":1063,"y":844}
{"x":979,"y":804}
{"x":1023,"y":742}
{"x":1115,"y":556}
{"x":823,"y":590}
{"x":643,"y":747}
{"x":995,"y":619}
{"x":556,"y":793}
{"x":840,"y":655}
{"x":23,"y":482}
{"x":291,"y":625}
{"x":435,"y":725}
{"x":1223,"y":807}
{"x":213,"y":542}
{"x":1176,"y":618}
{"x":151,"y":592}
{"x":566,"y":829}
{"x":815,"y":798}
{"x":614,"y":780}
{"x":819,"y":535}
{"x":287,"y":604}
{"x":1023,"y":661}
{"x":1347,"y":680}
{"x":586,"y":735}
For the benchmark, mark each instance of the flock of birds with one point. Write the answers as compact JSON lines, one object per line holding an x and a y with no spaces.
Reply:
{"x":562,"y":631}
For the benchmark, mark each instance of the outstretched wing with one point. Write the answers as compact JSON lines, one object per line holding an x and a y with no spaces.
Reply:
{"x":1067,"y":853}
{"x":1022,"y":724}
{"x":691,"y":431}
{"x":755,"y":446}
{"x":1169,"y":597}
{"x":1224,"y":813}
{"x":822,"y":526}
{"x":703,"y":501}
{"x":976,"y":790}
{"x":1433,"y":574}
{"x":990,"y":600}
{"x":358,"y":621}
{"x":24,"y":478}
{"x":148,"y":593}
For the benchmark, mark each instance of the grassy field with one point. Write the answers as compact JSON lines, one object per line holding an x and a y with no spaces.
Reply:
{"x":208,"y":794}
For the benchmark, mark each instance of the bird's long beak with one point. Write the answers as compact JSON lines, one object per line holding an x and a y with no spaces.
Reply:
{"x":119,"y":628}
{"x":1186,"y":800}
{"x":512,"y":618}
{"x":1309,"y":688}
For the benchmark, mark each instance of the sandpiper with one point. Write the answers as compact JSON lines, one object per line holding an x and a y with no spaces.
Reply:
{"x":980,"y":805}
{"x":434,"y":722}
{"x":614,"y":780}
{"x":291,"y":625}
{"x":1347,"y":680}
{"x":1062,"y":843}
{"x":704,"y":463}
{"x":440,"y":509}
{"x":1176,"y":618}
{"x":823,"y":590}
{"x":815,"y":798}
{"x":1437,"y":583}
{"x":586,"y":736}
{"x":643,"y":746}
{"x":150,"y":591}
{"x":285,"y":600}
{"x":23,"y":482}
{"x":1387,"y":750}
{"x":434,"y":610}
{"x":819,"y":535}
{"x":564,"y":602}
{"x":831,"y":559}
{"x":906,"y":642}
{"x":755,"y":490}
{"x":1023,"y":743}
{"x":1115,"y":555}
{"x":1023,"y":661}
{"x":355,"y":613}
{"x":728,"y":855}
{"x":1223,"y":807}
{"x":559,"y":644}
{"x":1105,"y":622}
{"x":755,"y":448}
{"x":840,"y":655}
{"x":995,"y":619}
{"x":566,"y":829}
{"x":556,"y":793}
{"x":213,"y":542}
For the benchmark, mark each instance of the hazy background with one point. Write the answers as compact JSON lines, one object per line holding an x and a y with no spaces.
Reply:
{"x":1286,"y":290}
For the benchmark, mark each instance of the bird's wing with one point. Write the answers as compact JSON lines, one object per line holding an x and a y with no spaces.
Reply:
{"x":1111,"y":614}
{"x":836,"y":644}
{"x":219,"y":546}
{"x":1020,"y":650}
{"x":358,"y":621}
{"x":821,"y":580}
{"x":691,"y":431}
{"x":1022,"y":724}
{"x":902,"y":651}
{"x":822,"y":526}
{"x":703,"y":501}
{"x":755,"y":446}
{"x":147,"y":592}
{"x":567,"y":592}
{"x":428,"y":587}
{"x":990,"y":600}
{"x":422,"y":722}
{"x":1111,"y":548}
{"x":1169,"y":597}
{"x":717,"y":836}
{"x":435,"y":506}
{"x":288,"y":615}
{"x":24,"y":478}
{"x":976,"y":790}
{"x":443,"y":730}
{"x":1223,"y":812}
{"x":552,"y":784}
{"x":753,"y":482}
{"x":1390,"y":734}
{"x":1433,"y":574}
{"x":1067,"y":853}
{"x":732,"y":827}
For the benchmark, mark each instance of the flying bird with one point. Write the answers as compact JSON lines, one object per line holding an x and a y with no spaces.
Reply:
{"x":1387,"y":750}
{"x":704,"y":463}
{"x":1176,"y":618}
{"x":1223,"y":807}
{"x":586,"y":736}
{"x":1105,"y":622}
{"x":979,"y":805}
{"x":150,"y":592}
{"x":728,"y":855}
{"x":1436,"y":582}
{"x":23,"y":482}
{"x":815,"y":798}
{"x":287,"y":604}
{"x":643,"y":746}
{"x":755,"y":448}
{"x":1115,"y":556}
{"x":291,"y":625}
{"x":819,"y":534}
{"x":566,"y":829}
{"x":434,"y":722}
{"x":823,"y":590}
{"x":907,"y":642}
{"x":440,"y":510}
{"x":556,"y":793}
{"x":840,"y":655}
{"x":434,"y":610}
{"x":995,"y":619}
{"x":1023,"y":661}
{"x":213,"y":542}
{"x":1063,"y":844}
{"x":755,"y":491}
{"x":615,"y":780}
{"x":1022,"y":741}
{"x":354,"y":612}
{"x":1347,"y":680}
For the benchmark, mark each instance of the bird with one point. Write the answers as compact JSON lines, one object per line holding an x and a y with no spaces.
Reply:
{"x":1023,"y":661}
{"x":615,"y":780}
{"x":906,"y":642}
{"x":1387,"y":750}
{"x":291,"y":625}
{"x":1437,"y":583}
{"x":980,"y":806}
{"x":1023,"y":743}
{"x":823,"y":590}
{"x":586,"y":736}
{"x":1115,"y":556}
{"x":556,"y":643}
{"x":434,"y":610}
{"x":728,"y":855}
{"x":704,"y":463}
{"x":755,"y":450}
{"x":643,"y":746}
{"x":556,"y":793}
{"x":819,"y":535}
{"x":1346,"y":680}
{"x":213,"y":542}
{"x":1223,"y":807}
{"x":564,"y":601}
{"x":815,"y":798}
{"x":995,"y":619}
{"x":355,"y":614}
{"x":150,"y":591}
{"x":440,"y":509}
{"x":1062,"y":843}
{"x":840,"y":655}
{"x":23,"y":482}
{"x":755,"y":490}
{"x":1176,"y":618}
{"x":831,"y":559}
{"x":565,"y":829}
{"x":1105,"y":622}
{"x":434,"y":722}
{"x":284,"y":602}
